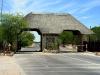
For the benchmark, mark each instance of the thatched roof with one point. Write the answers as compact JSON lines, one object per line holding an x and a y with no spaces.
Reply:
{"x":55,"y":23}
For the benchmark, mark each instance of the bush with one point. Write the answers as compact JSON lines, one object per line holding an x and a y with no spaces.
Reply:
{"x":26,"y":39}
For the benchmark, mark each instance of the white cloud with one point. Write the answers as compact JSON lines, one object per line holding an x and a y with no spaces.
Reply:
{"x":72,"y":7}
{"x":18,"y":5}
{"x":90,"y":5}
{"x":26,"y":6}
{"x":42,"y":5}
{"x":66,"y":6}
{"x":82,"y":8}
{"x":85,"y":17}
{"x":34,"y":5}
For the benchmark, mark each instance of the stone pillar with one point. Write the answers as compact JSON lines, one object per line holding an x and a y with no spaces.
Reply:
{"x":43,"y":42}
{"x":50,"y":43}
{"x":80,"y":43}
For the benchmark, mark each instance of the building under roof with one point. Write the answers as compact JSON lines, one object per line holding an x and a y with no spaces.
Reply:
{"x":52,"y":24}
{"x":55,"y":23}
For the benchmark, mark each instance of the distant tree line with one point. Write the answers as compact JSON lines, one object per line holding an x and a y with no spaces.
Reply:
{"x":96,"y":35}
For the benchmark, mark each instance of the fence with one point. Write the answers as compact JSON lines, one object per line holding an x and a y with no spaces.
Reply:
{"x":94,"y":46}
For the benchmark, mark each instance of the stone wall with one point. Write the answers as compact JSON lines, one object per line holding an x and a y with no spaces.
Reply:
{"x":50,"y":43}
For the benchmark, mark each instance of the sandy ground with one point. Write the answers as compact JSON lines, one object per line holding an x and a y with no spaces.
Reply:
{"x":8,"y":66}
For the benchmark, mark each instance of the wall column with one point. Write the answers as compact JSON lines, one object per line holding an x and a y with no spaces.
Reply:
{"x":50,"y":43}
{"x":80,"y":43}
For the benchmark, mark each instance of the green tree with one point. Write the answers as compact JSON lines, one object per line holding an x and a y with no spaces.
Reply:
{"x":1,"y":37}
{"x":1,"y":33}
{"x":27,"y":39}
{"x":66,"y":37}
{"x":11,"y":25}
{"x":95,"y":36}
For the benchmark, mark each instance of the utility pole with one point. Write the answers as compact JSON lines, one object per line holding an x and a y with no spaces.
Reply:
{"x":1,"y":10}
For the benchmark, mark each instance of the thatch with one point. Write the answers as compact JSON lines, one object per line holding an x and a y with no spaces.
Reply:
{"x":55,"y":23}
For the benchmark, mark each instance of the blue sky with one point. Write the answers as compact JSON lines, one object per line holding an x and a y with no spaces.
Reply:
{"x":86,"y":11}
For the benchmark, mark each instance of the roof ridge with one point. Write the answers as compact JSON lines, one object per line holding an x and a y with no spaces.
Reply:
{"x":49,"y":13}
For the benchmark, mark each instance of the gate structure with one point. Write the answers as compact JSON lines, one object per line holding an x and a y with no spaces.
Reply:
{"x":51,"y":25}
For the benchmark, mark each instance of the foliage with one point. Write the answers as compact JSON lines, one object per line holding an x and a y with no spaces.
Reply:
{"x":10,"y":27}
{"x":1,"y":33}
{"x":92,"y":37}
{"x":26,"y":39}
{"x":96,"y":36}
{"x":66,"y":37}
{"x":1,"y":37}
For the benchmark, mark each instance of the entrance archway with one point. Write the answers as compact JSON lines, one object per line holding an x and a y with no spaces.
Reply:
{"x":71,"y":41}
{"x":51,"y":25}
{"x":35,"y":47}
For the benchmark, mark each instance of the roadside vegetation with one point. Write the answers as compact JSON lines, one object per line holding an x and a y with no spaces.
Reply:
{"x":10,"y":26}
{"x":27,"y":39}
{"x":96,"y":36}
{"x":67,"y":37}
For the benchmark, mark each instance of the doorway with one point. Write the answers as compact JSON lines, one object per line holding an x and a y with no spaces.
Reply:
{"x":29,"y":40}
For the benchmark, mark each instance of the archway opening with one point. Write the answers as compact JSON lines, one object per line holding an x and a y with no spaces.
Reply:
{"x":29,"y":40}
{"x":71,"y":41}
